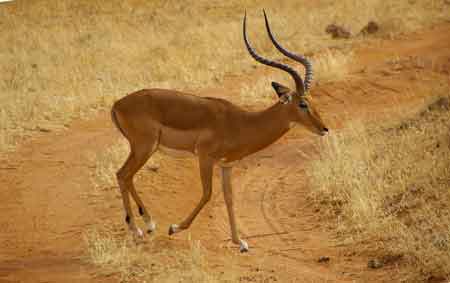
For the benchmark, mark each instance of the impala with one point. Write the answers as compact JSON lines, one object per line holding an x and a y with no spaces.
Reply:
{"x":215,"y":130}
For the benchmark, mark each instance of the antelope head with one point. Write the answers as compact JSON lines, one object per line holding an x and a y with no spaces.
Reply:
{"x":299,"y":103}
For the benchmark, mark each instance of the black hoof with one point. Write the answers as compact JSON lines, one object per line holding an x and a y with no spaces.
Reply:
{"x":243,"y":250}
{"x":243,"y":246}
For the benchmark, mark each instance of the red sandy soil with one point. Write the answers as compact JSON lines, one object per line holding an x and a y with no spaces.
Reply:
{"x":48,"y":200}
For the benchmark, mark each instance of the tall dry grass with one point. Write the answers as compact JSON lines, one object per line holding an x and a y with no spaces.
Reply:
{"x":64,"y":60}
{"x":390,"y":189}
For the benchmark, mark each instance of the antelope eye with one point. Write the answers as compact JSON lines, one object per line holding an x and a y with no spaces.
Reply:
{"x":303,"y":105}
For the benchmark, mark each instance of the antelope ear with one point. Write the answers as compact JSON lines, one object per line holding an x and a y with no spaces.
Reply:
{"x":280,"y":89}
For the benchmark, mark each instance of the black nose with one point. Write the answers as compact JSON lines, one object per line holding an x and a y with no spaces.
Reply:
{"x":325,"y":129}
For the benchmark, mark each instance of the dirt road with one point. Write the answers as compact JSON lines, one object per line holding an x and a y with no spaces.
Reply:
{"x":48,"y":201}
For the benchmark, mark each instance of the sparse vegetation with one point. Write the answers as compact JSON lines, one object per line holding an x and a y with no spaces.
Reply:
{"x":390,"y":189}
{"x":118,"y":255}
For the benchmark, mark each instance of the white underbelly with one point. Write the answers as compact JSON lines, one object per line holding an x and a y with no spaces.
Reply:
{"x":176,"y":152}
{"x":224,"y":163}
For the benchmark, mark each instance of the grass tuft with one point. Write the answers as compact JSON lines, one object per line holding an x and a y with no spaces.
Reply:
{"x":116,"y":255}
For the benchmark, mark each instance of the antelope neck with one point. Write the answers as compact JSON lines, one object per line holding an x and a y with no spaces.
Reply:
{"x":265,"y":127}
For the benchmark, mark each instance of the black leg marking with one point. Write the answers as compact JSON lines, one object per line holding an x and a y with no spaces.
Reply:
{"x":141,"y":211}
{"x":127,"y":219}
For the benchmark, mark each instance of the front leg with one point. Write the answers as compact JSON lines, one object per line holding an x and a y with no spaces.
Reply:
{"x":206,"y":172}
{"x":228,"y":196}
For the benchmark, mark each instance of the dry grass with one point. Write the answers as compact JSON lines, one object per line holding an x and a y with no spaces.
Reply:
{"x":107,"y":163}
{"x":100,"y":247}
{"x":111,"y":159}
{"x":116,"y":255}
{"x":134,"y":263}
{"x":390,"y":189}
{"x":332,"y":66}
{"x":64,"y":60}
{"x":261,"y":91}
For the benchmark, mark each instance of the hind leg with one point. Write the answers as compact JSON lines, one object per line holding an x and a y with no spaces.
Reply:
{"x":151,"y":225}
{"x":139,"y":154}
